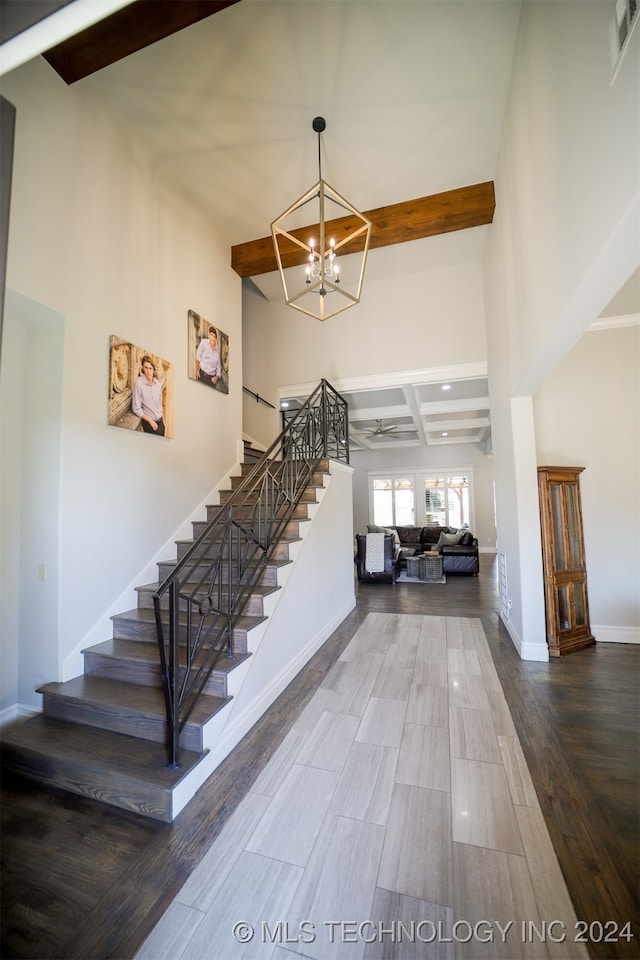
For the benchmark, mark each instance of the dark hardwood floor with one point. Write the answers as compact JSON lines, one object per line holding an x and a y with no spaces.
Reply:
{"x":82,"y":880}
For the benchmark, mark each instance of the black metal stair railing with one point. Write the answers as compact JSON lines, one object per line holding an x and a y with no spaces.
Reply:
{"x":198,"y":606}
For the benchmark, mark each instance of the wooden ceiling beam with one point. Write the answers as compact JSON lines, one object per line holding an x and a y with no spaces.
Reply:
{"x":126,"y":31}
{"x":398,"y":223}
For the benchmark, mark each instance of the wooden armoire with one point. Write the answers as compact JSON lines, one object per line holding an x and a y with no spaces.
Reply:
{"x":565,"y":571}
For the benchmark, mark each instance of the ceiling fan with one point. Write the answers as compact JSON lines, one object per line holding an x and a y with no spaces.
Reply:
{"x":380,"y":431}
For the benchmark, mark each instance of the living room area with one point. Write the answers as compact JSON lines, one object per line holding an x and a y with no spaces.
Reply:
{"x":420,"y":449}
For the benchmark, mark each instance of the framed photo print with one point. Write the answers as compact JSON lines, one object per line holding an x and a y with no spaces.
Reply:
{"x":208,"y":353}
{"x":140,"y":389}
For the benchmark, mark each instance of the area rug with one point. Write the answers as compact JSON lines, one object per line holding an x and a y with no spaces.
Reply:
{"x":403,"y":578}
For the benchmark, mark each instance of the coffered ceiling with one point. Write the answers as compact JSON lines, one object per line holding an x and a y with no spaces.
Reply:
{"x":420,"y":411}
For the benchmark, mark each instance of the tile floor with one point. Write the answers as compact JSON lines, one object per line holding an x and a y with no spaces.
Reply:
{"x":396,"y":820}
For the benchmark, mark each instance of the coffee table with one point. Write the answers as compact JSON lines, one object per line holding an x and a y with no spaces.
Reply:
{"x":431,"y":566}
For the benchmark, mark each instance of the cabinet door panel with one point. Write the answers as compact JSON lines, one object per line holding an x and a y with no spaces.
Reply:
{"x":557,"y":521}
{"x":573,"y":526}
{"x":563,"y":608}
{"x":579,"y":604}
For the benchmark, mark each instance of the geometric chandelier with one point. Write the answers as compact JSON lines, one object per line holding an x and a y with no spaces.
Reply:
{"x":326,"y":286}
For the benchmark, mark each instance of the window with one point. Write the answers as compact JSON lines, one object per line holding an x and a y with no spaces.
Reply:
{"x":446,"y":501}
{"x":448,"y":498}
{"x":393,"y":501}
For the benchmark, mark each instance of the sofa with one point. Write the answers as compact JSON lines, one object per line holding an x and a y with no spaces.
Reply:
{"x":391,"y":560}
{"x":459,"y":548}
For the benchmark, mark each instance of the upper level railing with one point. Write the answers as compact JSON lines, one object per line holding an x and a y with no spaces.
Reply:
{"x":199,"y":605}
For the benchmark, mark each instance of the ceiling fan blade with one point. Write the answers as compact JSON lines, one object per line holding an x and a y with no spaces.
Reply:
{"x":381,"y":431}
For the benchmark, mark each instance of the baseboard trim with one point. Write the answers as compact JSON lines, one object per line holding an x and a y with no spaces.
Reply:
{"x":603,"y":634}
{"x":526,"y":651}
{"x":15,"y":712}
{"x":608,"y":634}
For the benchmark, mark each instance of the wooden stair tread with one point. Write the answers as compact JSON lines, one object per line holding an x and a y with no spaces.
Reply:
{"x":271,"y":562}
{"x":262,"y":590}
{"x":141,"y":651}
{"x":146,"y":701}
{"x":134,"y":650}
{"x":117,"y":753}
{"x":190,"y":542}
{"x":147,"y":615}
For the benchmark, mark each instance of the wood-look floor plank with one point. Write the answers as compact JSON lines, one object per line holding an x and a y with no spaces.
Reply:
{"x":338,"y":884}
{"x":393,"y":682}
{"x":550,"y":890}
{"x":473,"y":735}
{"x":410,"y":929}
{"x":169,"y":938}
{"x":518,"y":777}
{"x":259,"y":892}
{"x":424,"y":757}
{"x":482,"y":810}
{"x":328,"y":744}
{"x":291,"y":824}
{"x":382,"y":722}
{"x":366,"y":783}
{"x":493,"y":890}
{"x":417,"y":858}
{"x":209,"y":879}
{"x":430,"y":673}
{"x":428,"y":705}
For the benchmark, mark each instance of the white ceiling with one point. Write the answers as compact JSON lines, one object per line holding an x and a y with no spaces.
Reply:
{"x":413,"y":93}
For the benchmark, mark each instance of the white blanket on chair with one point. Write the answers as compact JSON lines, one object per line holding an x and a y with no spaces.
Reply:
{"x":374,"y":557}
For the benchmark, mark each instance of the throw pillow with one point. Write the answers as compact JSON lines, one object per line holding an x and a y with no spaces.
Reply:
{"x":374,"y":528}
{"x":394,"y":534}
{"x":448,"y":540}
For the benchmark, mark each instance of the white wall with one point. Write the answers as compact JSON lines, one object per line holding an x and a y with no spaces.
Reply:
{"x":31,"y":432}
{"x":565,"y":238}
{"x":11,"y":385}
{"x":431,"y":319}
{"x":453,"y":456}
{"x":595,"y":393}
{"x":99,"y":240}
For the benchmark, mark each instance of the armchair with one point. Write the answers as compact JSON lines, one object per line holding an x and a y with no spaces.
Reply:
{"x":391,"y":560}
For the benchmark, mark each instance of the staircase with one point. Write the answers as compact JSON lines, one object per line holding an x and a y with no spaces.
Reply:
{"x":104,"y":734}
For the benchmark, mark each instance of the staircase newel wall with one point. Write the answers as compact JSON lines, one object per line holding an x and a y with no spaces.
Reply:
{"x":318,"y":593}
